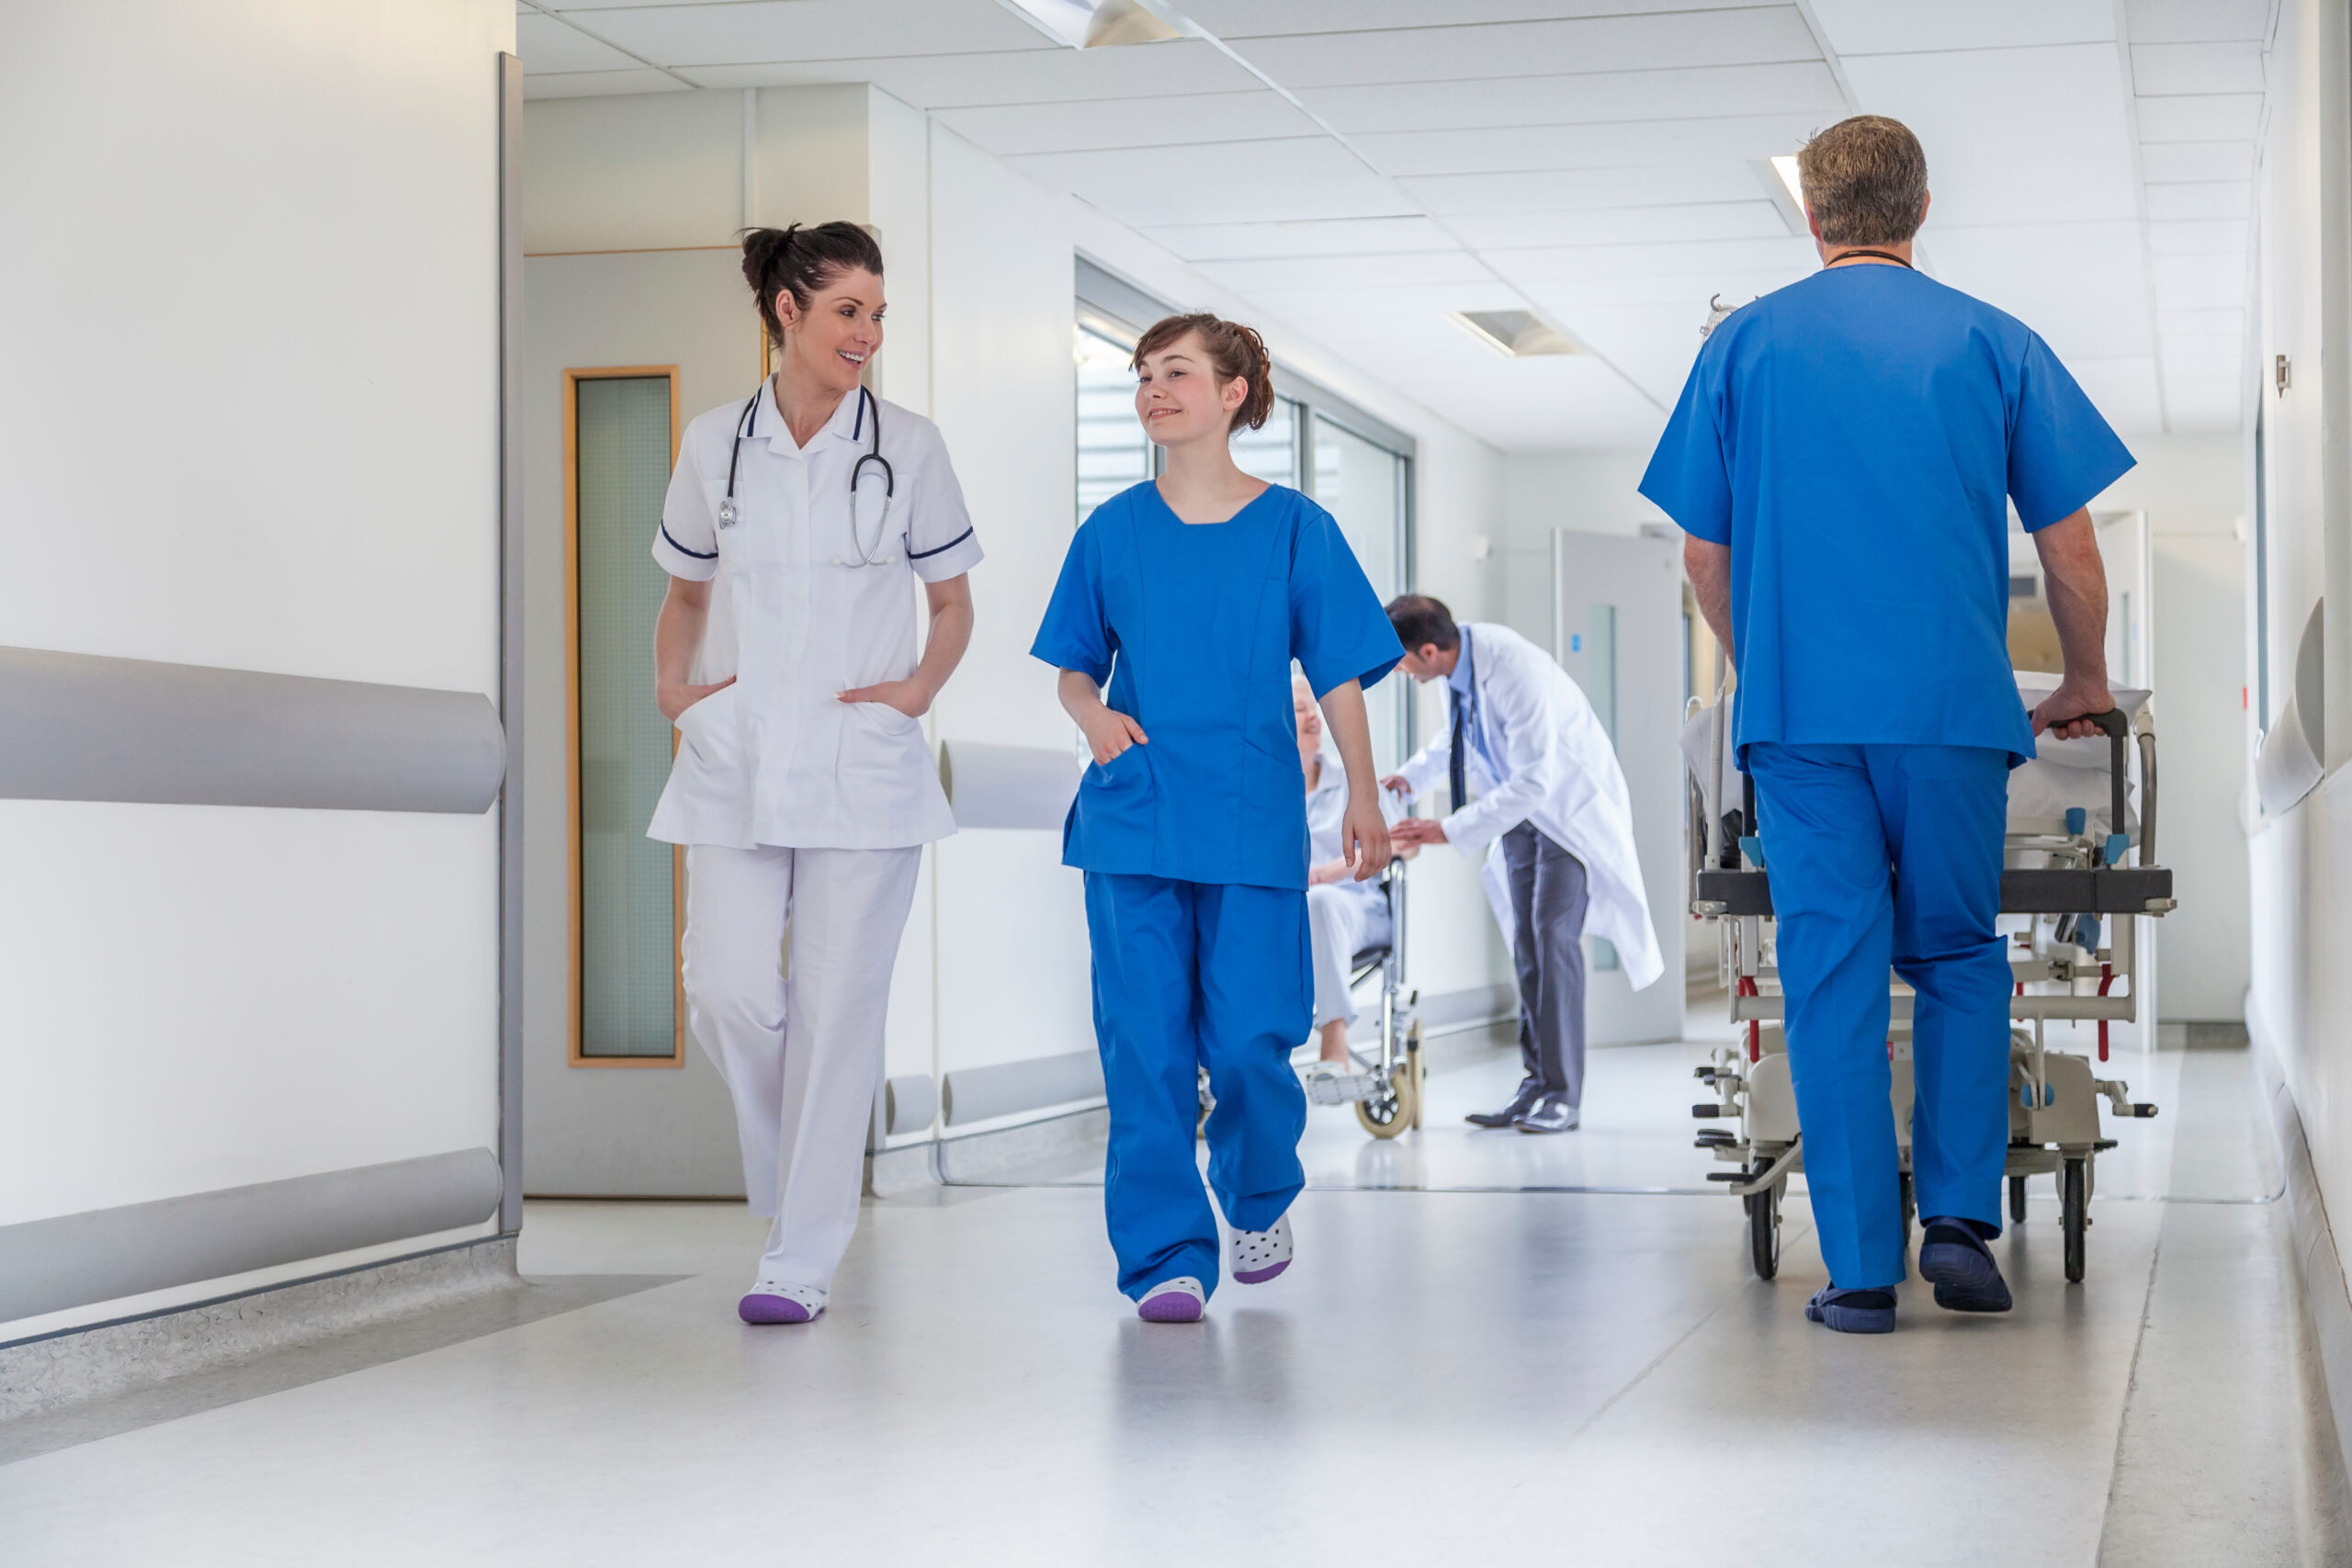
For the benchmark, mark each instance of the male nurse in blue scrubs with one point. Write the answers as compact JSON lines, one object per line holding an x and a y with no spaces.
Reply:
{"x":1841,"y":461}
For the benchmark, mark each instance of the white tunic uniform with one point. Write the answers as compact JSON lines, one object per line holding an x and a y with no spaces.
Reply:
{"x":776,"y":759}
{"x":795,"y":803}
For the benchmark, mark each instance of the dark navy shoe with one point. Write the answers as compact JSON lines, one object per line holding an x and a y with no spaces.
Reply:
{"x":1954,"y":1256}
{"x":1530,"y":1091}
{"x":1852,"y":1312}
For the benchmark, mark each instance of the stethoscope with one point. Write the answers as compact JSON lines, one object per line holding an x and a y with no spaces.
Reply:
{"x":729,"y":513}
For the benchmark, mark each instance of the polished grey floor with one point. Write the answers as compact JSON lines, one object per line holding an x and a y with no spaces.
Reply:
{"x":1451,"y":1374}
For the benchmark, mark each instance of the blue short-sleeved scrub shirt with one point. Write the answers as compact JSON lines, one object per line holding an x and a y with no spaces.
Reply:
{"x":1194,"y":626}
{"x":1854,"y":438}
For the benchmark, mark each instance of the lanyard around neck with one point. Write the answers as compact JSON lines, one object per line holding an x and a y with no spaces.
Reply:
{"x":1880,"y":255}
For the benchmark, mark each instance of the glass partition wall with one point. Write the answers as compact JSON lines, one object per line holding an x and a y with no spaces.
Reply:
{"x":1355,"y":466}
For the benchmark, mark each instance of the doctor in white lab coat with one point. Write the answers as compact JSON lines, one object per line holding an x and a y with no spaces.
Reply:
{"x":798,"y":524}
{"x":1535,"y":786}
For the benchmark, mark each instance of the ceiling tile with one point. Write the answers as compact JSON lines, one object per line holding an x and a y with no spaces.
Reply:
{"x":2205,"y":236}
{"x":1333,"y":237}
{"x":543,"y":44}
{"x":2231,"y":116}
{"x":601,"y":83}
{"x":1339,"y":273}
{"x":2226,"y":324}
{"x":1712,"y":221}
{"x":1241,"y":180}
{"x":1594,"y":45}
{"x":1641,"y":143}
{"x":2164,"y":70}
{"x":1562,"y":190}
{"x":2193,"y":282}
{"x":2084,"y":287}
{"x":1256,"y":19}
{"x":2013,"y":135}
{"x":1696,"y":258}
{"x":2173,"y":161}
{"x":2205,"y":396}
{"x":2218,"y":199}
{"x":1393,"y":303}
{"x":2195,"y":21}
{"x":1050,"y":75}
{"x":803,"y":31}
{"x":1902,"y":26}
{"x":1010,"y":129}
{"x":1694,"y":292}
{"x":1796,"y":88}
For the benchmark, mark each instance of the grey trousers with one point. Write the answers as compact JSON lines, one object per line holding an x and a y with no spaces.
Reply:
{"x":1547,"y":902}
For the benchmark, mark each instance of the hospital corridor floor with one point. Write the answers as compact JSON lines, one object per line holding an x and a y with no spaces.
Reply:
{"x":1457,"y":1369}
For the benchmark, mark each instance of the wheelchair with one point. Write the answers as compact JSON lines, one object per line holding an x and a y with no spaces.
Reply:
{"x":1386,"y":1087}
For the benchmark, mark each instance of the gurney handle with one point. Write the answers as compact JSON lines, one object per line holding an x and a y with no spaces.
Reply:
{"x":2118,"y":741}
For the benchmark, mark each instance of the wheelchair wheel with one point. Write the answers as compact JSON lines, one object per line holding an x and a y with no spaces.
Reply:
{"x":1764,"y":1230}
{"x":2017,"y":1200}
{"x":1386,"y":1114}
{"x":1208,"y":1103}
{"x":2075,"y":1214}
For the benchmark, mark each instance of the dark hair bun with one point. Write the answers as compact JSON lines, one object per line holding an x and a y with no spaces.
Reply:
{"x":803,"y":261}
{"x":1236,"y":351}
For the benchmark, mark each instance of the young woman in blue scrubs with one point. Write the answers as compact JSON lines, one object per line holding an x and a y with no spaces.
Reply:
{"x":1191,"y":596}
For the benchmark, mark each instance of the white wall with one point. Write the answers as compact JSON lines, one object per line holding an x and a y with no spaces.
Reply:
{"x":2299,"y":1007}
{"x":250,"y":292}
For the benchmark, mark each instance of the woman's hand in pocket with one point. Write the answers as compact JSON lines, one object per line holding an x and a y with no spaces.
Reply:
{"x":1109,"y":732}
{"x":675,"y":697}
{"x":908,"y":698}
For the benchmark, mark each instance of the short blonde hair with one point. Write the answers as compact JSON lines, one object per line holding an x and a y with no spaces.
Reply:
{"x":1865,"y":181}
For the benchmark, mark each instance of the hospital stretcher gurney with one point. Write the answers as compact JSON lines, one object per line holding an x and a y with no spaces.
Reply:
{"x":2077,"y":868}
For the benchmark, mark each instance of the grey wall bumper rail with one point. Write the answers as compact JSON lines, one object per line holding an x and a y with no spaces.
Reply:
{"x":81,"y":726}
{"x":975,"y":1094}
{"x":107,"y":1254}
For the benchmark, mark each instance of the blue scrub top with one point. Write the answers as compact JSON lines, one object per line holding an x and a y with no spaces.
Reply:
{"x":1851,"y":438}
{"x":1195,"y":625}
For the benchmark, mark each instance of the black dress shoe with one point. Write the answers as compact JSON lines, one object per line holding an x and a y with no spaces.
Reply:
{"x":1552,"y":1114}
{"x":1530,"y":1091}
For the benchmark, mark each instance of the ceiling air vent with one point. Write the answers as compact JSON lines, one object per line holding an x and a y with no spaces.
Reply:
{"x":1515,"y":334}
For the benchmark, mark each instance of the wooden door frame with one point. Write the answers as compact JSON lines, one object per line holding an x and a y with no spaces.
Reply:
{"x":677,"y":1057}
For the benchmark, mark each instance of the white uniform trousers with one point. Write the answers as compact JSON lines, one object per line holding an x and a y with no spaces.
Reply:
{"x":1340,"y":919}
{"x":801,"y":1051}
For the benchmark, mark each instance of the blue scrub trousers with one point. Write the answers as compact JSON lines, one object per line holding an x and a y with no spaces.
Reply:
{"x":1192,"y":973}
{"x":1880,"y":855}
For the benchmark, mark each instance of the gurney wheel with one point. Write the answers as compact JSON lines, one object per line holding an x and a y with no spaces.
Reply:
{"x":1764,"y":1230}
{"x":2017,"y":1200}
{"x":1387,"y":1115}
{"x":2075,"y":1214}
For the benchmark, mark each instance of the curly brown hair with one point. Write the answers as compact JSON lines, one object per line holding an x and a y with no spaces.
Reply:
{"x":1235,"y":353}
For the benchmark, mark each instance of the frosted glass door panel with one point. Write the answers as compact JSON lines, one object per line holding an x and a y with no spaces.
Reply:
{"x":626,"y":886}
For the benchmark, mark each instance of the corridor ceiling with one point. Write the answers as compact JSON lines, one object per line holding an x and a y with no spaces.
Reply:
{"x":1359,"y":169}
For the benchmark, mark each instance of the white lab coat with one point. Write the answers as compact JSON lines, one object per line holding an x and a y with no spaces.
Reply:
{"x":1559,"y":772}
{"x":776,"y":759}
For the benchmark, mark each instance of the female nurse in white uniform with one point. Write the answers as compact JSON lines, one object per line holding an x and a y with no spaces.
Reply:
{"x":804,"y":788}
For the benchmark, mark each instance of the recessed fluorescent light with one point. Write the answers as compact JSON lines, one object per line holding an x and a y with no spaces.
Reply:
{"x":1514,"y":334}
{"x":1785,"y":165}
{"x":1098,"y":24}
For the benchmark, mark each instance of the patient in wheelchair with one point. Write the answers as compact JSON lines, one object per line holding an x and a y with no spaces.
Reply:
{"x":1343,"y":916}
